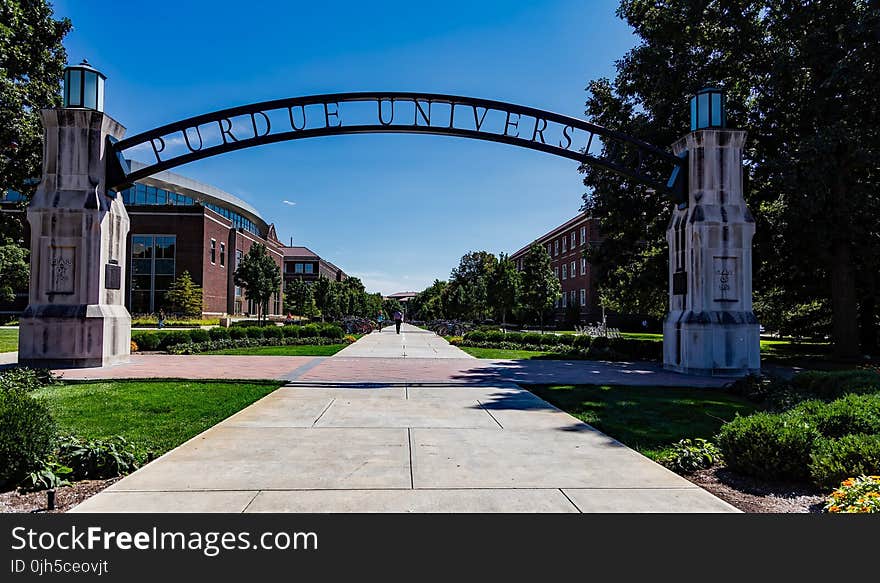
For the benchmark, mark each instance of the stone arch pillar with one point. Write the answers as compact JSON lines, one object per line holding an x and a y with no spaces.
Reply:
{"x":710,"y":327}
{"x":76,"y":315}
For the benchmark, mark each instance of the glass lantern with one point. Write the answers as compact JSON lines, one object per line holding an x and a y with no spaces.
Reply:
{"x":707,"y":109}
{"x":83,"y":87}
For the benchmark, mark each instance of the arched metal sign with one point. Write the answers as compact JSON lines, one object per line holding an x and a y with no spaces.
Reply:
{"x":396,"y":112}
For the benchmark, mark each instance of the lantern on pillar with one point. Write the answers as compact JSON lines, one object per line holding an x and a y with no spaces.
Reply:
{"x":707,"y":109}
{"x":84,"y":87}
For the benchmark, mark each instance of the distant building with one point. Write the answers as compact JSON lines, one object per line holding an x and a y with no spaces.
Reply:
{"x":566,"y":245}
{"x":303,"y":263}
{"x":402,"y":297}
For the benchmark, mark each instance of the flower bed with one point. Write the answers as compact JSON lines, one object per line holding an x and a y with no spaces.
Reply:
{"x":856,"y":495}
{"x":213,"y":345}
{"x":570,"y":345}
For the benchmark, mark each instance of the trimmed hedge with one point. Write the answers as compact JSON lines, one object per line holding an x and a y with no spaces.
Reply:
{"x":578,"y":345}
{"x":832,"y":384}
{"x":834,"y":460}
{"x":815,"y":440}
{"x":151,"y":340}
{"x":196,"y":348}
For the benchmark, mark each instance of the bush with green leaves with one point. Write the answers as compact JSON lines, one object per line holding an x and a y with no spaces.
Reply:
{"x":46,"y":475}
{"x":199,"y":335}
{"x":218,"y":333}
{"x":174,"y":338}
{"x":331,"y":331}
{"x":27,"y":434}
{"x":494,"y":336}
{"x":690,"y":455}
{"x":475,"y":336}
{"x":213,"y":345}
{"x":769,"y":445}
{"x":146,"y":339}
{"x":26,"y":379}
{"x":832,"y":384}
{"x":272,"y":332}
{"x":549,"y":339}
{"x":254,"y":332}
{"x":238,"y":333}
{"x":845,"y":416}
{"x":310,"y":331}
{"x":834,"y":460}
{"x":290,"y":331}
{"x":514,"y":337}
{"x":532,"y":338}
{"x":582,"y":341}
{"x":97,"y":458}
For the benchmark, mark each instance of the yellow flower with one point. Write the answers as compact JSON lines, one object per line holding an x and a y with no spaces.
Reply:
{"x":834,"y":509}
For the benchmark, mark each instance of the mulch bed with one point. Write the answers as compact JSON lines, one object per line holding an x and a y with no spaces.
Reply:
{"x":758,"y":496}
{"x":66,"y":497}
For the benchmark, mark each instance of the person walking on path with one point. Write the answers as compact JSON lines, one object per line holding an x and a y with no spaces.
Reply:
{"x":381,"y":318}
{"x":398,"y":318}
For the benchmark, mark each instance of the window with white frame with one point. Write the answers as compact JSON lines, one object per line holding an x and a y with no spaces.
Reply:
{"x":556,"y":272}
{"x":564,"y":245}
{"x":573,"y":239}
{"x":583,"y":297}
{"x":583,"y":265}
{"x":564,"y":300}
{"x":222,"y":254}
{"x":573,"y":270}
{"x":583,"y":235}
{"x":556,"y":247}
{"x":213,"y":251}
{"x":564,"y":271}
{"x":573,"y":297}
{"x":549,"y":249}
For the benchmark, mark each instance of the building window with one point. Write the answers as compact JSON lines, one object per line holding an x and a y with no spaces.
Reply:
{"x":549,"y":249}
{"x":556,"y":247}
{"x":573,"y":268}
{"x":556,"y":272}
{"x":152,"y":271}
{"x":583,"y":297}
{"x":583,"y":235}
{"x":213,"y":251}
{"x":583,"y":265}
{"x":564,"y":245}
{"x":573,"y":240}
{"x":297,"y":267}
{"x":564,"y":271}
{"x":309,"y":268}
{"x":573,"y":297}
{"x":222,"y":254}
{"x":564,"y":300}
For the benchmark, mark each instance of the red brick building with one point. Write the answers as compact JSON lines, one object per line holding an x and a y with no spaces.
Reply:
{"x":303,"y":263}
{"x":566,"y":245}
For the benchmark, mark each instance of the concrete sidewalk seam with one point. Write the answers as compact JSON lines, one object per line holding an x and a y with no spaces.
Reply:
{"x":251,"y":502}
{"x":483,"y":407}
{"x":330,"y":404}
{"x":561,"y":491}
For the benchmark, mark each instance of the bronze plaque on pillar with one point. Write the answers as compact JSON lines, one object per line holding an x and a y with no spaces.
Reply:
{"x":113,"y":275}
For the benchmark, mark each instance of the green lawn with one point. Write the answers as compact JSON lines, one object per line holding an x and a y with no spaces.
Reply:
{"x":308,"y":350}
{"x":648,"y":419}
{"x":8,"y":339}
{"x":156,"y":415}
{"x":504,"y":353}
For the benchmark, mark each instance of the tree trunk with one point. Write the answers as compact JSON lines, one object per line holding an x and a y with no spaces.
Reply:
{"x":844,"y":310}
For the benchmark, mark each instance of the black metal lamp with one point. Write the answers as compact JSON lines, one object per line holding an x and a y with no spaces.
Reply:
{"x":84,"y":87}
{"x":707,"y":109}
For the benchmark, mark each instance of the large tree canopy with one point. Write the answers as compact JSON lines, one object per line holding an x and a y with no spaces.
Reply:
{"x":801,"y":78}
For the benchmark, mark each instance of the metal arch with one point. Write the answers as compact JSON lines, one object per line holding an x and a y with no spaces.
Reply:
{"x":573,"y":137}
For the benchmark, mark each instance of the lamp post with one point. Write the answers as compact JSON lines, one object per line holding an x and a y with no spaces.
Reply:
{"x":707,"y":109}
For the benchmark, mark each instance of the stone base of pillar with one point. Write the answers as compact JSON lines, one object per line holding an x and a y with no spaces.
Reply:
{"x":74,"y":336}
{"x":713,"y":343}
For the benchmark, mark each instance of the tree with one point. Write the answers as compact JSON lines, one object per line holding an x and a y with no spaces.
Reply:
{"x":32,"y":59}
{"x":504,"y":287}
{"x":324,"y":296}
{"x":184,"y":296}
{"x":540,"y":286}
{"x":299,"y":298}
{"x":259,"y":276}
{"x":14,"y":269}
{"x":468,"y":291}
{"x":428,"y":304}
{"x":391,"y":305}
{"x":801,"y":79}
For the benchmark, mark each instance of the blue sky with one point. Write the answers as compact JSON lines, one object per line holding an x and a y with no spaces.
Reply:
{"x":396,"y":210}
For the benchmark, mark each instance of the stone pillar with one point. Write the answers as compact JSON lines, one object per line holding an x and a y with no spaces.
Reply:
{"x":76,"y":315}
{"x":710,"y":327}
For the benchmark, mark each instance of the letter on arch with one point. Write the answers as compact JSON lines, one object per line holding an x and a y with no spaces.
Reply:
{"x":265,"y":117}
{"x":227,"y":131}
{"x":335,"y":113}
{"x":160,"y":148}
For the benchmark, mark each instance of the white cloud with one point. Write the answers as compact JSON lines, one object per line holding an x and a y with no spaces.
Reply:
{"x":289,"y":202}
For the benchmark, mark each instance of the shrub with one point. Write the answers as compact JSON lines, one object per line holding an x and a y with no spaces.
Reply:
{"x":27,"y":433}
{"x":582,"y":341}
{"x":833,"y":460}
{"x":253,"y":332}
{"x":566,"y":339}
{"x":831,"y":384}
{"x":845,"y":416}
{"x":26,"y":379}
{"x":768,"y":445}
{"x":861,"y":494}
{"x":331,"y":331}
{"x":219,"y":333}
{"x":532,"y":338}
{"x":96,"y":458}
{"x":636,"y":349}
{"x":349,"y":339}
{"x":549,"y":340}
{"x":456,"y":340}
{"x":514,"y":337}
{"x":199,"y":335}
{"x":147,"y":340}
{"x":290,"y":331}
{"x":174,"y":337}
{"x":132,"y":346}
{"x":47,"y":474}
{"x":494,"y":336}
{"x":475,"y":336}
{"x":272,"y":332}
{"x":309,"y":331}
{"x":238,"y":333}
{"x":690,"y":455}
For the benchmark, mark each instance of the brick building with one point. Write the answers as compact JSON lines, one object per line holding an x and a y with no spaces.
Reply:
{"x":566,"y":245}
{"x":179,"y":224}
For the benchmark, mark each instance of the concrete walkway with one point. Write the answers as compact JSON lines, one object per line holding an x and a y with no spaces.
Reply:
{"x":412,"y":342}
{"x":413,"y":446}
